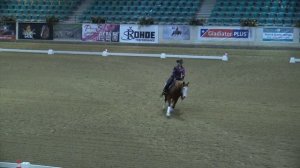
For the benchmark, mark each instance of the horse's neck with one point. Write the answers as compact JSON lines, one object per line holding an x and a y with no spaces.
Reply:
{"x":178,"y":86}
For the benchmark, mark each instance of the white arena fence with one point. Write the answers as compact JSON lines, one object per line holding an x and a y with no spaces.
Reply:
{"x":106,"y":53}
{"x":294,"y":60}
{"x":22,"y":165}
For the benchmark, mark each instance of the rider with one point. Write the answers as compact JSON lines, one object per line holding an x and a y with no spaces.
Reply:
{"x":177,"y":74}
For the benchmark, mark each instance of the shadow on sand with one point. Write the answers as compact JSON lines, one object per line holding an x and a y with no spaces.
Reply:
{"x":176,"y":114}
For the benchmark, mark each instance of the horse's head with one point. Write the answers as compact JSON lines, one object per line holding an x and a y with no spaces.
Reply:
{"x":186,"y":84}
{"x":181,"y":84}
{"x":184,"y":89}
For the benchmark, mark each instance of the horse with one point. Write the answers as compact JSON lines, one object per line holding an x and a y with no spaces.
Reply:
{"x":178,"y":89}
{"x":176,"y":32}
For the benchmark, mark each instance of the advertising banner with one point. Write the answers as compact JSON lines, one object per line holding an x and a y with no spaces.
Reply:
{"x":278,"y":34}
{"x":176,"y":32}
{"x":39,"y":31}
{"x":138,"y":34}
{"x":101,"y":32}
{"x":7,"y":31}
{"x":67,"y":31}
{"x":224,"y":33}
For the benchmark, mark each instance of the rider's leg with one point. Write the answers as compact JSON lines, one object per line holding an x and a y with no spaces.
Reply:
{"x":166,"y":88}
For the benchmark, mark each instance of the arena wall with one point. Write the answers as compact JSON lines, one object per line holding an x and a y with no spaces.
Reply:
{"x":255,"y":37}
{"x":158,"y":34}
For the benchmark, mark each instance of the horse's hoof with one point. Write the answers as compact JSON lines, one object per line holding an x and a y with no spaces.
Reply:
{"x":168,"y":114}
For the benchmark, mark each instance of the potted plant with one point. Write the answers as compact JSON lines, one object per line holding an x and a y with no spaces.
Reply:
{"x":98,"y":19}
{"x":146,"y":21}
{"x":248,"y":22}
{"x":197,"y":22}
{"x":52,"y":20}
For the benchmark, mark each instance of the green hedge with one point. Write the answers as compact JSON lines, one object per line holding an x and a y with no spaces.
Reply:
{"x":8,"y":19}
{"x":98,"y":19}
{"x":197,"y":22}
{"x":248,"y":22}
{"x":52,"y":20}
{"x":146,"y":21}
{"x":297,"y":24}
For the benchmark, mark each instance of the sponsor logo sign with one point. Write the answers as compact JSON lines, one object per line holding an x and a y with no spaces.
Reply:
{"x":41,"y":31}
{"x":7,"y":31}
{"x":176,"y":32}
{"x":224,"y":33}
{"x":67,"y":31}
{"x":278,"y":34}
{"x":100,"y":32}
{"x":138,"y":34}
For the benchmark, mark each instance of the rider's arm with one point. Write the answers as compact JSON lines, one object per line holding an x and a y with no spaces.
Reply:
{"x":174,"y":72}
{"x":183,"y":73}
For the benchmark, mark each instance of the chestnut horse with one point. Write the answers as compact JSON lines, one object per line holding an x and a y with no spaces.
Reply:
{"x":179,"y":89}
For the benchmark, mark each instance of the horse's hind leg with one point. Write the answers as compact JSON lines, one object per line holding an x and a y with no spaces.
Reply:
{"x":165,"y":102}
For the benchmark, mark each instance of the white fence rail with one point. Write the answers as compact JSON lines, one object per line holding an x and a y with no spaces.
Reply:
{"x":106,"y":53}
{"x":22,"y":165}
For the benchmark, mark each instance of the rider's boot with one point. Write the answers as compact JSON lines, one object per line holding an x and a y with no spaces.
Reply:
{"x":166,"y":87}
{"x":165,"y":90}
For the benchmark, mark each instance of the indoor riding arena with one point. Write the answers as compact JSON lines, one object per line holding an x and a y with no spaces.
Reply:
{"x":94,"y":111}
{"x":81,"y":83}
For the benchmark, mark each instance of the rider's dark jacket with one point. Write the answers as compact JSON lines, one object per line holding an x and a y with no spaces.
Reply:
{"x":178,"y":72}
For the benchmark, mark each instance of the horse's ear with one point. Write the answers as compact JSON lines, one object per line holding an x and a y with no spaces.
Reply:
{"x":187,"y":84}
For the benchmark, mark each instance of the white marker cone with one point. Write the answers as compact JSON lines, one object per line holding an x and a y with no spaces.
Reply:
{"x":225,"y":57}
{"x":292,"y":60}
{"x":105,"y":53}
{"x":50,"y":52}
{"x":163,"y":55}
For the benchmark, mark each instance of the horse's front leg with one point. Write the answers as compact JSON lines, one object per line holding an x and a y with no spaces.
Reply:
{"x":170,"y":109}
{"x":174,"y":103}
